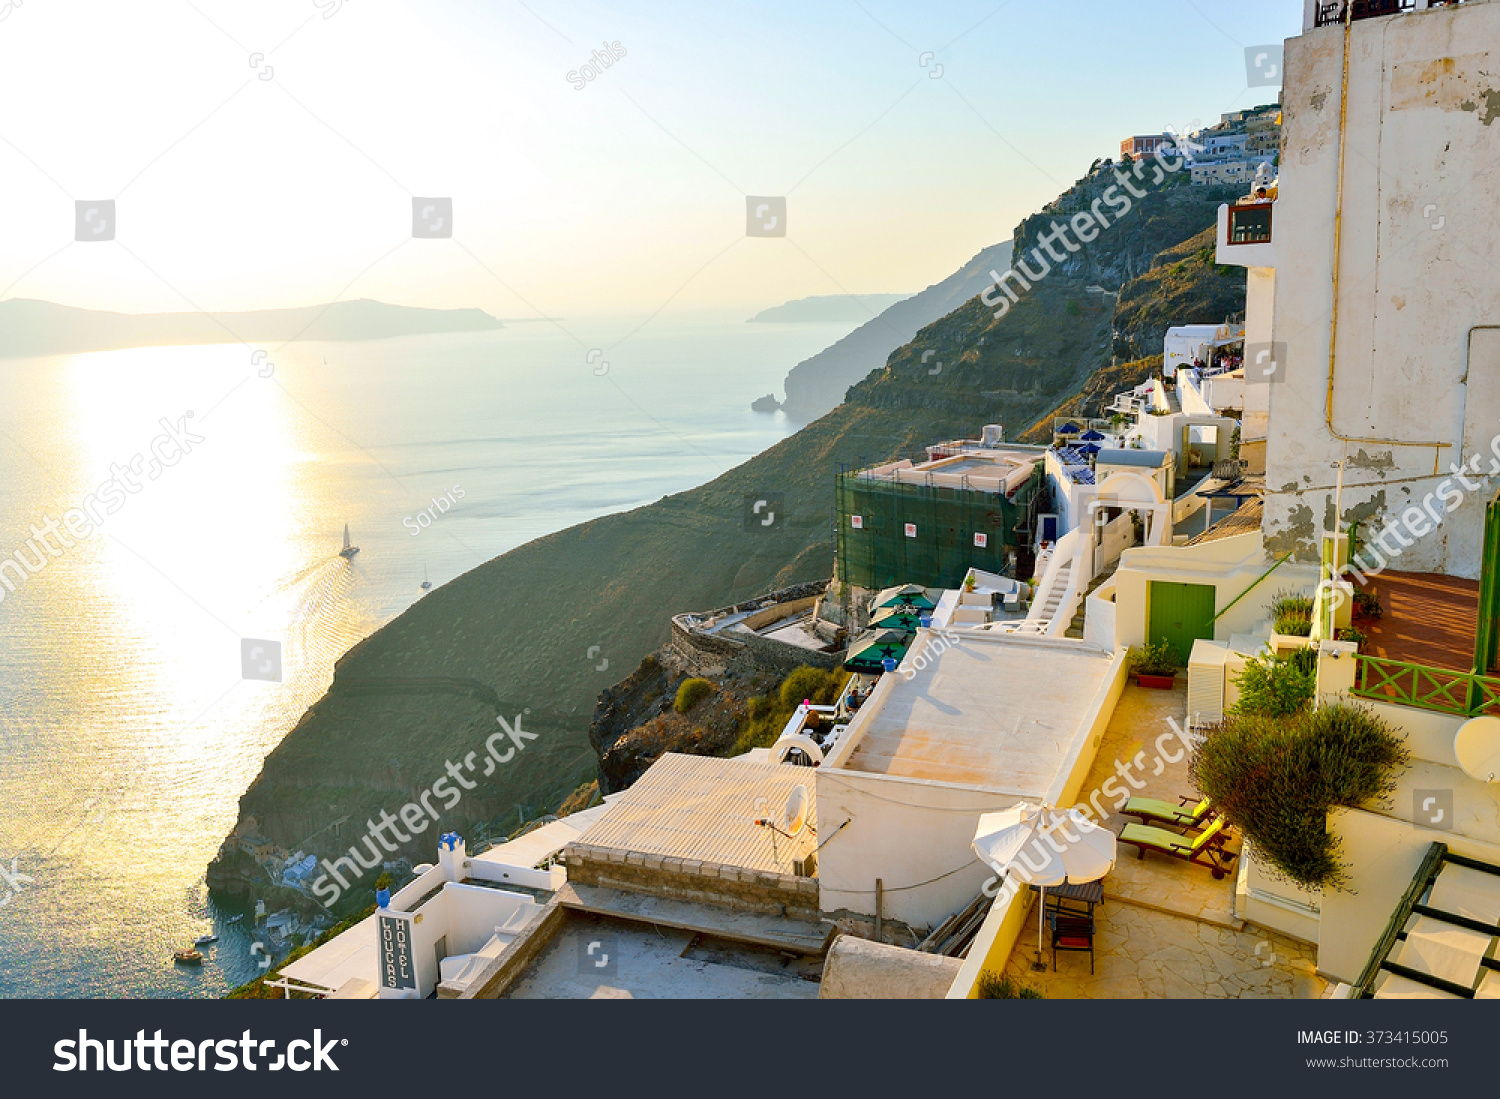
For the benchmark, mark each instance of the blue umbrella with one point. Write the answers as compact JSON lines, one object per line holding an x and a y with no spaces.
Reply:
{"x":1092,"y":436}
{"x":1068,"y":429}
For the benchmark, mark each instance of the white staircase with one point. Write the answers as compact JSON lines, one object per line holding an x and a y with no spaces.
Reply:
{"x":1058,"y":592}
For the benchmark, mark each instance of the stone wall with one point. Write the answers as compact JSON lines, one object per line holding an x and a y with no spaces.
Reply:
{"x":731,"y":887}
{"x":713,"y":654}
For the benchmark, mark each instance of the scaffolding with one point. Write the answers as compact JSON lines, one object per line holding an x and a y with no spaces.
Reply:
{"x":893,"y":532}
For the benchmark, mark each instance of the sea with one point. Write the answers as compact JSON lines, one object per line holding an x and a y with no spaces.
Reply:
{"x":128,"y":728}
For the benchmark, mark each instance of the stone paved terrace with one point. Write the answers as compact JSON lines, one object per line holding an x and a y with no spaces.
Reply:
{"x":1167,"y":928}
{"x":1143,"y":954}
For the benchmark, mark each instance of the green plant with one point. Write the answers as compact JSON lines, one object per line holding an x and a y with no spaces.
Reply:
{"x":767,"y":714}
{"x":1293,"y":625}
{"x":1292,"y":613}
{"x":1368,"y":604}
{"x":1153,"y":658}
{"x":1276,"y":686}
{"x":1291,"y":602}
{"x":1275,"y":778}
{"x":1354,"y":634}
{"x":994,"y":987}
{"x":692,"y":692}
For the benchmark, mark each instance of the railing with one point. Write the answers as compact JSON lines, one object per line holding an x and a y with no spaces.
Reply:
{"x":1462,"y":693}
{"x":1332,"y":13}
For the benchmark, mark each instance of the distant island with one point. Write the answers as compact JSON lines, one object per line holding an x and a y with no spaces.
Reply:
{"x":29,"y":327}
{"x":827,"y":309}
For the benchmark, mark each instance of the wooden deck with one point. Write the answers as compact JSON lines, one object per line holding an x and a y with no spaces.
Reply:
{"x":1429,"y":619}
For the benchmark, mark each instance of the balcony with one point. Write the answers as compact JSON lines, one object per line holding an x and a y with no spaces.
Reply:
{"x":1327,"y":13}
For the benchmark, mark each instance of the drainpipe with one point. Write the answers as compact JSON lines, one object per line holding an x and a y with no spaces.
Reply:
{"x":1338,"y":233}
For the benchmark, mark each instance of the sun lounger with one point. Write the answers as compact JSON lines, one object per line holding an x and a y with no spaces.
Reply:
{"x":1205,"y":849}
{"x":1155,"y":811}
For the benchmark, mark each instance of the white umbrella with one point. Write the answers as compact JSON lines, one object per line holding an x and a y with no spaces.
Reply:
{"x":1044,"y":846}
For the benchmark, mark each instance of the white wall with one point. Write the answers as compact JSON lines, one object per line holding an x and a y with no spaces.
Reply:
{"x":1411,"y":286}
{"x":905,"y":832}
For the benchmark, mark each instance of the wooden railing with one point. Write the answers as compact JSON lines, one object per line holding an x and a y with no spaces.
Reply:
{"x":1462,"y":693}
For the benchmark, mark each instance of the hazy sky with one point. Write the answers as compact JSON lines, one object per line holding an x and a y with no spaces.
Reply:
{"x":288,"y":179}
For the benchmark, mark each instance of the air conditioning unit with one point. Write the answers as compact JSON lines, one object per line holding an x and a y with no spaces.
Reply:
{"x":1207,"y":674}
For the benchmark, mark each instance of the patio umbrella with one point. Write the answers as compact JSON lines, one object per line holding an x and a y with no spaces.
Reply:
{"x":1069,"y":429}
{"x":903,"y":618}
{"x":907,"y":595}
{"x":869,"y":649}
{"x":1092,"y":436}
{"x":1044,"y":846}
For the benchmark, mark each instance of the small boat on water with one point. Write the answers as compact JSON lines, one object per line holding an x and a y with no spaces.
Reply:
{"x":349,"y":550}
{"x":235,"y":919}
{"x":205,"y":940}
{"x":187,"y":957}
{"x":426,"y":583}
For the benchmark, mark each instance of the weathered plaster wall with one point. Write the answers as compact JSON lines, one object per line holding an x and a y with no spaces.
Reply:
{"x":1417,"y":274}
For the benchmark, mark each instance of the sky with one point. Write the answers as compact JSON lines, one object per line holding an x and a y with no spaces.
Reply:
{"x":268,"y":154}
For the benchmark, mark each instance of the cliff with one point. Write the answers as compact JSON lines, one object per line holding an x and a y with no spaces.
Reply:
{"x":541,"y":631}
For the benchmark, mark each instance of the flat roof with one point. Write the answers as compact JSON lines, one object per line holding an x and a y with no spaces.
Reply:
{"x":538,"y":846}
{"x":654,"y":963}
{"x":995,"y":710}
{"x":1130,"y":456}
{"x":705,"y":808}
{"x":347,"y":956}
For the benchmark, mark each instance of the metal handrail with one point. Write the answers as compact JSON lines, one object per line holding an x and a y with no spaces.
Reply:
{"x":1253,"y":585}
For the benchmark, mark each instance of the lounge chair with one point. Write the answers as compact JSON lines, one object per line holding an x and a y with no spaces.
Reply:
{"x":1205,"y":849}
{"x":1070,"y":932}
{"x":1155,"y":811}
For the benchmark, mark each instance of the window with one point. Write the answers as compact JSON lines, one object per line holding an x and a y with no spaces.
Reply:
{"x":1250,"y":224}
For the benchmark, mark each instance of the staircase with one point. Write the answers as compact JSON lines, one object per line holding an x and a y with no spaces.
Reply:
{"x":1075,"y":629}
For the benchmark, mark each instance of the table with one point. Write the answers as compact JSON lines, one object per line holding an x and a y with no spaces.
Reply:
{"x":1090,"y":893}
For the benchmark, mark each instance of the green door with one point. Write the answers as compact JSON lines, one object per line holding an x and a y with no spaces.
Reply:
{"x":1180,"y":614}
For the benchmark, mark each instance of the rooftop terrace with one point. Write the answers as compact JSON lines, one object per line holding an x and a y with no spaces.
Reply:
{"x":1166,"y":928}
{"x":994,"y":711}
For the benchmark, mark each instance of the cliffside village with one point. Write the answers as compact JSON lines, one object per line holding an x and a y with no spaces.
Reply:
{"x":1042,"y":641}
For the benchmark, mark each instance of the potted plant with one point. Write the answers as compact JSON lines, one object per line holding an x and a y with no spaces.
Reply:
{"x":1154,"y":665}
{"x":1354,"y":634}
{"x":969,"y":582}
{"x":1367,"y":605}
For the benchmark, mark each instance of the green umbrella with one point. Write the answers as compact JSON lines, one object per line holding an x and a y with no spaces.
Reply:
{"x":907,"y":595}
{"x":874,"y":646}
{"x":903,"y":618}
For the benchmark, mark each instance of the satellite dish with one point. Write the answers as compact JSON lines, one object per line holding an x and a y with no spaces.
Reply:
{"x":795,"y":817}
{"x":1477,"y":746}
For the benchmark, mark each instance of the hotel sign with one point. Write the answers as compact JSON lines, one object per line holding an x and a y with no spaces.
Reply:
{"x":396,"y":970}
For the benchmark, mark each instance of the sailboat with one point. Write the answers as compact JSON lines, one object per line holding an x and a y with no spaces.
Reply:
{"x":348,"y":550}
{"x":426,"y":583}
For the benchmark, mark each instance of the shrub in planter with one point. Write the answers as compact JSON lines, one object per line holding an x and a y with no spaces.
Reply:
{"x":1275,"y":778}
{"x":1293,"y":625}
{"x":1155,"y":659}
{"x":1292,"y":613}
{"x":1350,"y":633}
{"x":1277,"y":686}
{"x":992,"y":987}
{"x":1367,"y":603}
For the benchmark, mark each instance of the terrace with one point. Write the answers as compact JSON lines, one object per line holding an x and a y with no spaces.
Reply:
{"x":1166,"y":928}
{"x":1421,"y":651}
